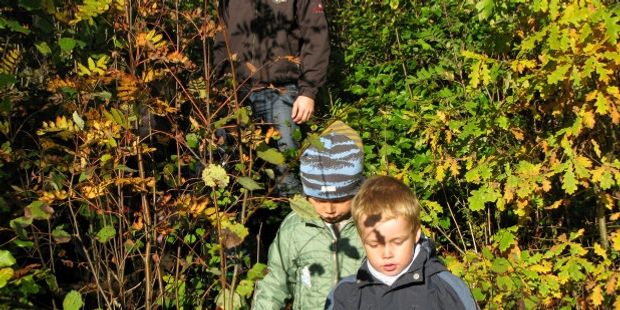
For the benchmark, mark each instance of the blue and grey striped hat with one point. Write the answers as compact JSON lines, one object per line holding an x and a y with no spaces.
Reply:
{"x":334,"y":169}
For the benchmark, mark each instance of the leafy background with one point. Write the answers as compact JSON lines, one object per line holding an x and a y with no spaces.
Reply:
{"x":131,"y":179}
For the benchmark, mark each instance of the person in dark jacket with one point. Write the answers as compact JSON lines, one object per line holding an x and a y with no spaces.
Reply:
{"x":278,"y":51}
{"x":402,"y":270}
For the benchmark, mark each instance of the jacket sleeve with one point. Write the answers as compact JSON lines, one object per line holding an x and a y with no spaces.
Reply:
{"x":314,"y":54}
{"x":456,"y":294}
{"x":342,"y":297}
{"x":275,"y":288}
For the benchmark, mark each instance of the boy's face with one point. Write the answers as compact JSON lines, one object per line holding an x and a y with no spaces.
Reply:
{"x":332,"y":211}
{"x":389,"y":244}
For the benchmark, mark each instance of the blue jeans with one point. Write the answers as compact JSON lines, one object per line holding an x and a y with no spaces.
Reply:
{"x":275,"y":106}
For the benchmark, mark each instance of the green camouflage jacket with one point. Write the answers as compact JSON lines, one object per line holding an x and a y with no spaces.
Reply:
{"x":306,"y":260}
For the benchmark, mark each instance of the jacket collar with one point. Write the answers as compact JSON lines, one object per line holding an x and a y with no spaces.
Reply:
{"x":417,"y":272}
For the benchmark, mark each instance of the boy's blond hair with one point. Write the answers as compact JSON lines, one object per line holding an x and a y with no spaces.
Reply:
{"x":382,"y":198}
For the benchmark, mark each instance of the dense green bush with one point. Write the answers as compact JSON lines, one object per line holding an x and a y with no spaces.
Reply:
{"x":502,"y":115}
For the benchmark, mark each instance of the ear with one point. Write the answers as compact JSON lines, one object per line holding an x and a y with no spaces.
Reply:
{"x":418,"y":234}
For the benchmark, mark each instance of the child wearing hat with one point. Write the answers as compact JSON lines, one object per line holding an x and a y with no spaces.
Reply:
{"x":402,"y":270}
{"x":310,"y":255}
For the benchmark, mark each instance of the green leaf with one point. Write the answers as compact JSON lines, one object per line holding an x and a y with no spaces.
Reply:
{"x":39,"y":210}
{"x":72,"y":301}
{"x":607,"y":180}
{"x":500,"y":265}
{"x":78,"y":120}
{"x":478,"y":295}
{"x":558,"y":74}
{"x":485,"y":9}
{"x":243,"y":117}
{"x":506,"y":239}
{"x":6,"y":80}
{"x":192,"y":140}
{"x":505,"y":283}
{"x":60,"y":235}
{"x":481,"y":196}
{"x":237,"y":228}
{"x":257,"y":272}
{"x":304,"y":208}
{"x":271,"y":155}
{"x":248,"y":183}
{"x":24,"y":243}
{"x":245,"y":288}
{"x":612,"y":25}
{"x":106,"y":233}
{"x":502,"y":122}
{"x":314,"y":140}
{"x":18,"y":225}
{"x":569,"y":182}
{"x":229,"y":300}
{"x":5,"y":275}
{"x":602,"y":105}
{"x":189,"y":238}
{"x":30,"y":4}
{"x":66,"y":44}
{"x":13,"y":25}
{"x":43,"y":48}
{"x":6,"y":259}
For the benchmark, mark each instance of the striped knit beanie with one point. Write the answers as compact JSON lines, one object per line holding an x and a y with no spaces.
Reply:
{"x":333,"y":170}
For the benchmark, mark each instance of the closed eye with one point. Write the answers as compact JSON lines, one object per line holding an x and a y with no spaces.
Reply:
{"x":372,"y":244}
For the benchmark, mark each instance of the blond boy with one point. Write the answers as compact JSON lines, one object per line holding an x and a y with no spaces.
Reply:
{"x":402,"y":270}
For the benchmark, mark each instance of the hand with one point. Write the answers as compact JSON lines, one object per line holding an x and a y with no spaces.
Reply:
{"x":303,"y":107}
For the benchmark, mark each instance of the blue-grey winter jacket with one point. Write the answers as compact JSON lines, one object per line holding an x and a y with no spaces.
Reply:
{"x":426,"y":285}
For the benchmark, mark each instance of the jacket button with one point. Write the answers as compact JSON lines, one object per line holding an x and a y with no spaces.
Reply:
{"x":416,"y":276}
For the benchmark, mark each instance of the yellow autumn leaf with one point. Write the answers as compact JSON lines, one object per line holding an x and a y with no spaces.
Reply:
{"x":272,"y":133}
{"x":610,"y":286}
{"x":542,"y":268}
{"x":614,"y":216}
{"x":608,"y":201}
{"x":615,"y":116}
{"x":596,"y":148}
{"x":546,"y":185}
{"x":91,"y":192}
{"x":518,"y":133}
{"x":614,"y":91}
{"x":588,"y":119}
{"x":509,"y":194}
{"x":598,"y":249}
{"x":597,"y":296}
{"x":442,"y":116}
{"x":448,"y":134}
{"x":141,"y":39}
{"x":602,"y":104}
{"x":440,"y":173}
{"x":455,"y":265}
{"x":592,"y":95}
{"x":198,"y":206}
{"x":556,"y":204}
{"x":615,"y":240}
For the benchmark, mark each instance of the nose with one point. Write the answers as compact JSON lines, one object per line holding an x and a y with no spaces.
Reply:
{"x":387,"y":251}
{"x":331,"y":209}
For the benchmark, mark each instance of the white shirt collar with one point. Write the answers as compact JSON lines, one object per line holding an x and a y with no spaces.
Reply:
{"x":389,"y":280}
